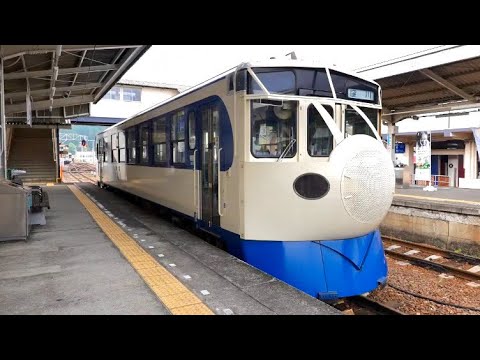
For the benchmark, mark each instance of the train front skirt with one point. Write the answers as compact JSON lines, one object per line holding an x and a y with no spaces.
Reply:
{"x":324,"y":269}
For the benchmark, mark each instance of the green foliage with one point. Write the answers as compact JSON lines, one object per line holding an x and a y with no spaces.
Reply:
{"x":72,"y":149}
{"x":86,"y":130}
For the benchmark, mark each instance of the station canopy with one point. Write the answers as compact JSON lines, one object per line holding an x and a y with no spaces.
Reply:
{"x":50,"y":84}
{"x":442,"y":79}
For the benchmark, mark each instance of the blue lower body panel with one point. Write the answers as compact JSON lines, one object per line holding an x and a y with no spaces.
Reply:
{"x":324,"y":269}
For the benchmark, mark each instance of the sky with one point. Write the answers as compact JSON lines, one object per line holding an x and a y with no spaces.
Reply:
{"x":192,"y":64}
{"x":189,"y":65}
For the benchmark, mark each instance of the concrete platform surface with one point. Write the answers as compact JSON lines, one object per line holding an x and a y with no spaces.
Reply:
{"x":443,"y":193}
{"x":69,"y":266}
{"x":454,"y":200}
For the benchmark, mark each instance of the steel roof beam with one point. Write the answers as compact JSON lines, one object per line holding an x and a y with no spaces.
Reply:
{"x":417,"y":110}
{"x":45,"y":104}
{"x":447,"y":84}
{"x":124,"y":67}
{"x":45,"y":92}
{"x":65,"y":71}
{"x":76,"y":74}
{"x":12,"y":51}
{"x":115,"y":59}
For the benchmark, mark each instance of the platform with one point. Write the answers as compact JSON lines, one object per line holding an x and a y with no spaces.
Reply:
{"x":454,"y":200}
{"x":447,"y":218}
{"x":133,"y":266}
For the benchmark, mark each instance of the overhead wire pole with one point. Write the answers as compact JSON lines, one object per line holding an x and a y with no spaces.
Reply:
{"x":3,"y":129}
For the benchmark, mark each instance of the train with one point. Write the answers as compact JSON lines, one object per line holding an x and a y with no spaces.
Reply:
{"x":281,"y":160}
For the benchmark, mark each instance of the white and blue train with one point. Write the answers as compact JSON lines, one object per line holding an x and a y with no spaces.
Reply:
{"x":281,"y":159}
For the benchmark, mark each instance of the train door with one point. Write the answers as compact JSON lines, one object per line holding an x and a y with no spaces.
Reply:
{"x":210,"y":140}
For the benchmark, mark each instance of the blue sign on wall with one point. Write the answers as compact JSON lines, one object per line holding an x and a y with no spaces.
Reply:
{"x":399,"y":148}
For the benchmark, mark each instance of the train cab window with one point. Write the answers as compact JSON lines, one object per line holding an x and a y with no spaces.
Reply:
{"x":278,"y":82}
{"x":274,"y":125}
{"x":159,"y":141}
{"x":355,"y":124}
{"x":131,"y":145}
{"x":319,"y":137}
{"x":351,"y":88}
{"x":191,"y":131}
{"x":241,"y":80}
{"x":121,"y":147}
{"x":144,"y":143}
{"x":115,"y":148}
{"x":178,"y":137}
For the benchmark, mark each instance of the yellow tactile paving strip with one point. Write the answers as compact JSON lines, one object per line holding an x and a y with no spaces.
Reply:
{"x":439,"y":199}
{"x":172,"y":293}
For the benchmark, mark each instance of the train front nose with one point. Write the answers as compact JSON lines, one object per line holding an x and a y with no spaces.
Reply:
{"x":367,"y":181}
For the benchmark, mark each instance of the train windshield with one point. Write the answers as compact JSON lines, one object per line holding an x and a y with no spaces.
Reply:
{"x":313,"y":82}
{"x":274,"y":128}
{"x":319,"y":136}
{"x":355,"y":124}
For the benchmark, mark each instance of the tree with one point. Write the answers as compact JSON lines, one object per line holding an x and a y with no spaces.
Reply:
{"x":72,"y":149}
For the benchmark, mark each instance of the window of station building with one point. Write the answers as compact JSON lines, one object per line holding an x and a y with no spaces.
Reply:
{"x":121,"y":147}
{"x":132,"y":145}
{"x":115,"y":148}
{"x":178,"y":137}
{"x":144,"y":143}
{"x":159,"y":141}
{"x":320,"y":139}
{"x":274,"y":125}
{"x":113,"y":93}
{"x":355,"y":124}
{"x":132,"y":94}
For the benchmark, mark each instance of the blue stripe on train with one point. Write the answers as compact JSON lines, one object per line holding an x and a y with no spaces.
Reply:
{"x":324,"y":269}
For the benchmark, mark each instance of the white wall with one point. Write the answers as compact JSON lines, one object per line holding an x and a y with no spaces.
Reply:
{"x":433,"y":123}
{"x":470,"y":160}
{"x":124,"y":109}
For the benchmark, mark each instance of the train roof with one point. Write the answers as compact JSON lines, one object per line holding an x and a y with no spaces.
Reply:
{"x":273,"y":62}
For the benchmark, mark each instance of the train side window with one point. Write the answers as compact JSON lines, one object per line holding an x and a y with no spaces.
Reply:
{"x":191,"y":131}
{"x":121,"y":147}
{"x":320,"y":139}
{"x":115,"y":148}
{"x":159,"y":141}
{"x":100,"y":149}
{"x":144,"y":144}
{"x":273,"y":128}
{"x":178,"y":137}
{"x":106,"y":150}
{"x":131,"y":146}
{"x":355,"y":124}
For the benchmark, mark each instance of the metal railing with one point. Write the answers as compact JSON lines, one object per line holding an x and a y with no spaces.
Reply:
{"x":440,"y":180}
{"x":436,"y":180}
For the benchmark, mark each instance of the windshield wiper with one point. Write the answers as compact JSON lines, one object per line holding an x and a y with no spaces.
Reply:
{"x":287,"y":149}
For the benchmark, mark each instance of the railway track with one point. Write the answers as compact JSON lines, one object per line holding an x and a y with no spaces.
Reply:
{"x":73,"y":177}
{"x":444,"y":261}
{"x":362,"y":305}
{"x":79,"y":172}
